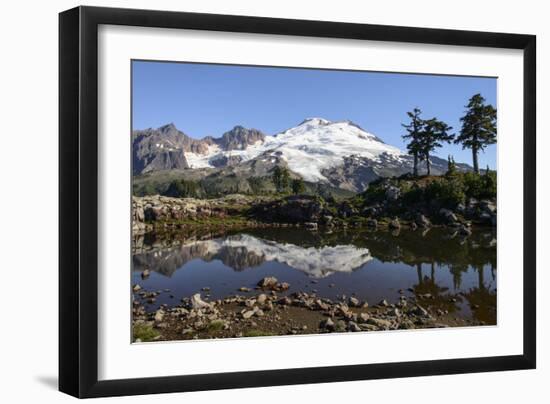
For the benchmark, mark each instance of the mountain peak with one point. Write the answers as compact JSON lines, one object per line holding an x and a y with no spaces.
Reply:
{"x":316,"y":121}
{"x":167,"y":127}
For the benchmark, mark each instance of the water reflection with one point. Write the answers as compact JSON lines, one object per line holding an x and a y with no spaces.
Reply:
{"x":456,"y":274}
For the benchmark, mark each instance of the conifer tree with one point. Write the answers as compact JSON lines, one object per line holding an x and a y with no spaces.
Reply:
{"x":478,"y":127}
{"x":432,"y":135}
{"x":413,"y":133}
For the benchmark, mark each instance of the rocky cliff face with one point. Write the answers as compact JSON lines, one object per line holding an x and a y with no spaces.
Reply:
{"x":167,"y":148}
{"x":239,"y":138}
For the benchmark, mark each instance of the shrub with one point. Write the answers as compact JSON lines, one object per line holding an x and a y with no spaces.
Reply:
{"x":184,"y":189}
{"x":374,"y":193}
{"x":448,"y":192}
{"x":480,"y":186}
{"x":413,"y":195}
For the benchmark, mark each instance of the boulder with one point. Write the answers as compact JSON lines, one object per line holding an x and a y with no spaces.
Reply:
{"x":198,"y":303}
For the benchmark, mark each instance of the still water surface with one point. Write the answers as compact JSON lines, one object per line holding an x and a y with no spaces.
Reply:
{"x":460,"y":274}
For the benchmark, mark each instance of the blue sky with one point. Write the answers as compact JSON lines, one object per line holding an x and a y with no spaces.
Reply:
{"x":202,"y":99}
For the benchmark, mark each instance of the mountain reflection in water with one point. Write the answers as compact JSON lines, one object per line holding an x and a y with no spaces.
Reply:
{"x":458,"y":273}
{"x":243,"y":251}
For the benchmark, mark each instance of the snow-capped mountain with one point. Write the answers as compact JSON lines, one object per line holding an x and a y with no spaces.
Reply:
{"x":340,"y":154}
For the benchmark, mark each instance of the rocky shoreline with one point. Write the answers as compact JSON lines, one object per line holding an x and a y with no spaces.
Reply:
{"x":268,"y":311}
{"x":161,"y":213}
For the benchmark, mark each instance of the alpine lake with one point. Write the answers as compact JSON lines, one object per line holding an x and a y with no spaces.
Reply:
{"x":452,"y":275}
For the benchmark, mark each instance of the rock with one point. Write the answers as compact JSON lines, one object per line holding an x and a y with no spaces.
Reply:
{"x":328,"y":324}
{"x":145,"y":274}
{"x":321,"y":305}
{"x":464,"y":231}
{"x":136,"y":288}
{"x":282,"y":286}
{"x":395,"y":312}
{"x":380,"y":323}
{"x":354,"y":302}
{"x":448,"y":216}
{"x":248,"y":314}
{"x":353,"y":327}
{"x":206,"y":289}
{"x":340,"y":326}
{"x":285,"y":301}
{"x":422,"y":221}
{"x":413,"y":226}
{"x":159,"y":315}
{"x":394,"y":224}
{"x":392,"y":193}
{"x":244,"y":289}
{"x":488,"y":206}
{"x":406,"y":325}
{"x":269,"y":282}
{"x":187,"y":331}
{"x":420,"y":311}
{"x":311,"y":225}
{"x":383,"y":303}
{"x":363,"y":317}
{"x":261,"y":299}
{"x":198,"y":303}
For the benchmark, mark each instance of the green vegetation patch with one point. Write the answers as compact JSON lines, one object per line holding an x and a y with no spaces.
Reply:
{"x":144,"y":332}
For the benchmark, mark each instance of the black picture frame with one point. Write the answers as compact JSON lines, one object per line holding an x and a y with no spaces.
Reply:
{"x":78,"y":201}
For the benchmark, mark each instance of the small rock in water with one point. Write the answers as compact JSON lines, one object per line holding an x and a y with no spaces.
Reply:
{"x":383,"y":303}
{"x":354,"y":302}
{"x":269,"y":282}
{"x":145,"y":274}
{"x":244,"y":289}
{"x":137,"y":288}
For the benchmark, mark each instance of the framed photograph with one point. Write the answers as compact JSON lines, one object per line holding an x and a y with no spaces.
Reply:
{"x":251,"y":201}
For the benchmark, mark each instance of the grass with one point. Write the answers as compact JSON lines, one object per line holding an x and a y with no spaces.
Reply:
{"x":216,"y":325}
{"x":144,"y":332}
{"x":256,"y":333}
